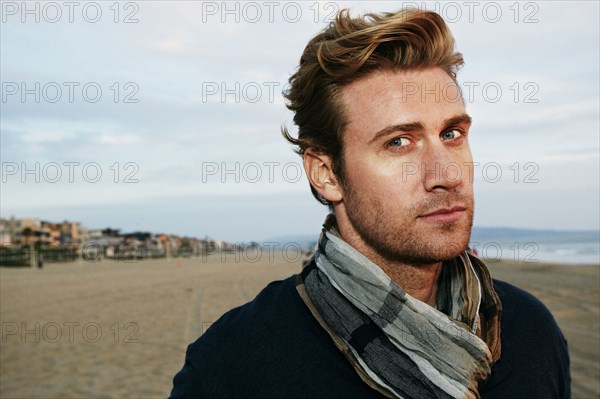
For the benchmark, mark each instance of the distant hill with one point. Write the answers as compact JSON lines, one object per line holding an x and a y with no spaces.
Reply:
{"x":479,"y":234}
{"x":507,"y":233}
{"x":306,"y":241}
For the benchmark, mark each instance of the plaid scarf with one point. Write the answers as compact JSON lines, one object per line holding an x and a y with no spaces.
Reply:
{"x":398,"y":345}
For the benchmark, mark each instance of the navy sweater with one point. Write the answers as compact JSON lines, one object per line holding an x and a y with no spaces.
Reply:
{"x":273,"y":347}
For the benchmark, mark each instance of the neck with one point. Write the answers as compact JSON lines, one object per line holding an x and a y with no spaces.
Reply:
{"x":417,"y":280}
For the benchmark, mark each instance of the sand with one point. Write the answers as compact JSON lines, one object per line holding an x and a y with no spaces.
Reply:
{"x":120,"y":329}
{"x":572,"y":293}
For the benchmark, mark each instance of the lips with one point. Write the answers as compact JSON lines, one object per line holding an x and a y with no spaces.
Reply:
{"x":442,"y":211}
{"x":444,"y":215}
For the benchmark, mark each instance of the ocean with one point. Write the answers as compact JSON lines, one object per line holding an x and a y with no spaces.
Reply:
{"x":532,"y":246}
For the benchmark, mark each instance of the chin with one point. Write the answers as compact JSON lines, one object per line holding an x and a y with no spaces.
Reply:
{"x":433,"y":256}
{"x":435,"y":246}
{"x":451,"y":247}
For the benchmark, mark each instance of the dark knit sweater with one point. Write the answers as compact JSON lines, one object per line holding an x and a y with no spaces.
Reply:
{"x":273,"y":347}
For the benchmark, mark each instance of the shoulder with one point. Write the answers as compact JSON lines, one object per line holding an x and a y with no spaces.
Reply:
{"x":271,"y":347}
{"x":516,"y":301}
{"x":241,"y":333}
{"x":535,"y":360}
{"x":271,"y":306}
{"x":275,"y":315}
{"x":526,"y":322}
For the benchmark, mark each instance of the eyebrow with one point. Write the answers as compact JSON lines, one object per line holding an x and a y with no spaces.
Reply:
{"x":418,"y":126}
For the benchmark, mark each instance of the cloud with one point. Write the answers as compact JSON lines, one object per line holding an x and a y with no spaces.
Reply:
{"x":174,"y":49}
{"x":118,"y":139}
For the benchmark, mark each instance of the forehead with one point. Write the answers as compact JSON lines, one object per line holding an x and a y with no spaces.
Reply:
{"x":387,"y":97}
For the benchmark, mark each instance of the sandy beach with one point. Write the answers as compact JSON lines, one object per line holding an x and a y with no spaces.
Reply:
{"x":120,"y":329}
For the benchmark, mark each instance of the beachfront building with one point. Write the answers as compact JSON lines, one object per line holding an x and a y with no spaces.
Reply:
{"x":101,"y":244}
{"x":65,"y":234}
{"x":24,"y":231}
{"x":5,"y":238}
{"x":69,"y":233}
{"x":33,"y":232}
{"x":69,"y":240}
{"x":143,"y":245}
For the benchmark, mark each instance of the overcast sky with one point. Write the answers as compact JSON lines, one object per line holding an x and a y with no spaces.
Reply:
{"x":166,"y":116}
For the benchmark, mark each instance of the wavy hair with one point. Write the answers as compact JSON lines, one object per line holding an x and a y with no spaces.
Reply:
{"x":348,"y":49}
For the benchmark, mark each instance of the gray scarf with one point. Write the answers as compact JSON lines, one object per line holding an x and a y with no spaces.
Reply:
{"x":401,"y":346}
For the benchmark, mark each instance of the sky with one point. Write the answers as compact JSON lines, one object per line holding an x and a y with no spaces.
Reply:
{"x":166,"y":116}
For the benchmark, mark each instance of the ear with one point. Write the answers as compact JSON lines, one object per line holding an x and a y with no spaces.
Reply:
{"x":318,"y":168}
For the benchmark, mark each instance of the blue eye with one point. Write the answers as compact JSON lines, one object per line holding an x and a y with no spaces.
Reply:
{"x":451,"y":134}
{"x":398,"y":142}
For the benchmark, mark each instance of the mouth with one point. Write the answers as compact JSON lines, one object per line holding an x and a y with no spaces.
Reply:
{"x":444,"y":215}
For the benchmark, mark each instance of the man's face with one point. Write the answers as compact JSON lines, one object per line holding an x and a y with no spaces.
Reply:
{"x":407,"y":192}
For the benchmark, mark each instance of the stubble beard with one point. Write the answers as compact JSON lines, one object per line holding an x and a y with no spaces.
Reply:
{"x":401,"y":236}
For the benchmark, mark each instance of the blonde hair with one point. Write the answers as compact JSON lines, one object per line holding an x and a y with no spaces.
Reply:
{"x":348,"y":49}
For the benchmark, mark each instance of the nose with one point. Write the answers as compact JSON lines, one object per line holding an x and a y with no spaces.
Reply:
{"x":439,"y":168}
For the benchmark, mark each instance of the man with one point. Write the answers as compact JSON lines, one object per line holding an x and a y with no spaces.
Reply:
{"x":393,"y":304}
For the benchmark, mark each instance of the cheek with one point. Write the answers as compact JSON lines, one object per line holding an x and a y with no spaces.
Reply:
{"x":362,"y":169}
{"x":391,"y":182}
{"x":464,"y":161}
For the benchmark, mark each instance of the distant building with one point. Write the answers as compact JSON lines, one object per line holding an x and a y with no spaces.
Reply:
{"x":97,"y":244}
{"x":5,"y":237}
{"x":65,"y":234}
{"x":101,"y":243}
{"x":24,"y":231}
{"x":69,"y":233}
